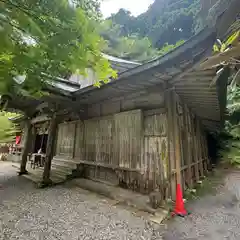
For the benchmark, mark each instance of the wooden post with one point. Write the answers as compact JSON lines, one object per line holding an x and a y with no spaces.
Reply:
{"x":174,"y":140}
{"x":188,"y":149}
{"x":206,"y":153}
{"x":74,"y":139}
{"x":204,"y":139}
{"x":27,"y":147}
{"x":201,"y":148}
{"x":194,"y":133}
{"x":49,"y":151}
{"x":176,"y":133}
{"x":199,"y":141}
{"x":171,"y":150}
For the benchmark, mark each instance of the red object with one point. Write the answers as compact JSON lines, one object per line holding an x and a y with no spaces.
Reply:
{"x":179,"y":205}
{"x":18,"y":139}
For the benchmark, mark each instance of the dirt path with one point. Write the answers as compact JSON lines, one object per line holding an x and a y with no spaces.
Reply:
{"x":214,"y":217}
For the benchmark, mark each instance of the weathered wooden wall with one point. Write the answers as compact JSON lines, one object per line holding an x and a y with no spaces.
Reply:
{"x":127,"y":148}
{"x":142,"y":149}
{"x":98,"y":140}
{"x":127,"y":138}
{"x":144,"y":100}
{"x":154,"y":165}
{"x":188,"y":156}
{"x":66,"y":139}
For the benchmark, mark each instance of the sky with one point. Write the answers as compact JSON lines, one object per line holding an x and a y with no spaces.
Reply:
{"x":136,"y":7}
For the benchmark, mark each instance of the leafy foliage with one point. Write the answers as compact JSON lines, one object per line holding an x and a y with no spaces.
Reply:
{"x":166,"y":21}
{"x":221,"y":47}
{"x":53,"y":37}
{"x":127,"y":47}
{"x":131,"y":47}
{"x":232,"y":125}
{"x":7,"y":128}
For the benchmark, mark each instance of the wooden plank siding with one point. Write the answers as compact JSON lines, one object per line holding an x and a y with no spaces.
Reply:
{"x":98,"y":140}
{"x":127,"y":138}
{"x":65,"y":139}
{"x":154,"y":165}
{"x":144,"y":150}
{"x":79,"y":152}
{"x":191,"y":164}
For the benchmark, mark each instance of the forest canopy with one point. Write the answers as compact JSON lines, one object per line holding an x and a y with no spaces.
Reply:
{"x":164,"y":26}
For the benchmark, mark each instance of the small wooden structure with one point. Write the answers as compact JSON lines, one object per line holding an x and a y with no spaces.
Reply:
{"x":145,"y":131}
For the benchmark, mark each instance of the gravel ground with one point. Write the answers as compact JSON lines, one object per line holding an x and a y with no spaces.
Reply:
{"x":67,"y":212}
{"x":63,"y":212}
{"x":214,"y":217}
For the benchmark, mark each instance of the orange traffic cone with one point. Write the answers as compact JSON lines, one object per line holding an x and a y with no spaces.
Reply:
{"x":179,"y":205}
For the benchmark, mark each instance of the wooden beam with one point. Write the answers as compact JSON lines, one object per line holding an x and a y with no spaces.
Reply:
{"x":177,"y":145}
{"x":192,"y":79}
{"x":193,"y":84}
{"x":195,"y":151}
{"x":28,"y":139}
{"x":200,"y":73}
{"x":174,"y":134}
{"x":154,"y":111}
{"x":188,"y":149}
{"x":201,"y":102}
{"x":74,"y":139}
{"x":49,"y":151}
{"x":193,"y":88}
{"x":199,"y":145}
{"x":198,"y":95}
{"x":171,"y":150}
{"x":42,"y":118}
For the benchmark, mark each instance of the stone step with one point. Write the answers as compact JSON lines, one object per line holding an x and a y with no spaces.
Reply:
{"x":36,"y":176}
{"x":65,"y":159}
{"x":64,"y":162}
{"x":67,"y":168}
{"x":58,"y":175}
{"x":63,"y":170}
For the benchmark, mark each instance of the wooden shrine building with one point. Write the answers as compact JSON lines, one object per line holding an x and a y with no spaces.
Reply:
{"x":146,"y":131}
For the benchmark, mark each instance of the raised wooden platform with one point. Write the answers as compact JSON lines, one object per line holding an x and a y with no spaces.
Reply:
{"x":61,"y":171}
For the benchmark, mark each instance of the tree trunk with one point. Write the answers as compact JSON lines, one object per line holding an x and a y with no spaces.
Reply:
{"x":49,"y":151}
{"x":26,"y":148}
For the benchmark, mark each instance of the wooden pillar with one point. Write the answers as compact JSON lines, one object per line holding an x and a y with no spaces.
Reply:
{"x":52,"y":131}
{"x":171,"y":151}
{"x":177,"y":145}
{"x":206,"y":153}
{"x":28,"y":138}
{"x":74,"y":140}
{"x":173,"y":141}
{"x":194,"y":137}
{"x":188,"y":149}
{"x":205,"y":156}
{"x":199,"y":140}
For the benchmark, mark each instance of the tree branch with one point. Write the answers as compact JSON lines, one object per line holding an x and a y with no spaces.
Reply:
{"x":18,"y":28}
{"x":25,"y":10}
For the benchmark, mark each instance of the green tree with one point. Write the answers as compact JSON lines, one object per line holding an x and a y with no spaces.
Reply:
{"x":131,"y":47}
{"x":232,"y":125}
{"x":52,"y":37}
{"x":7,"y":128}
{"x":166,"y":21}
